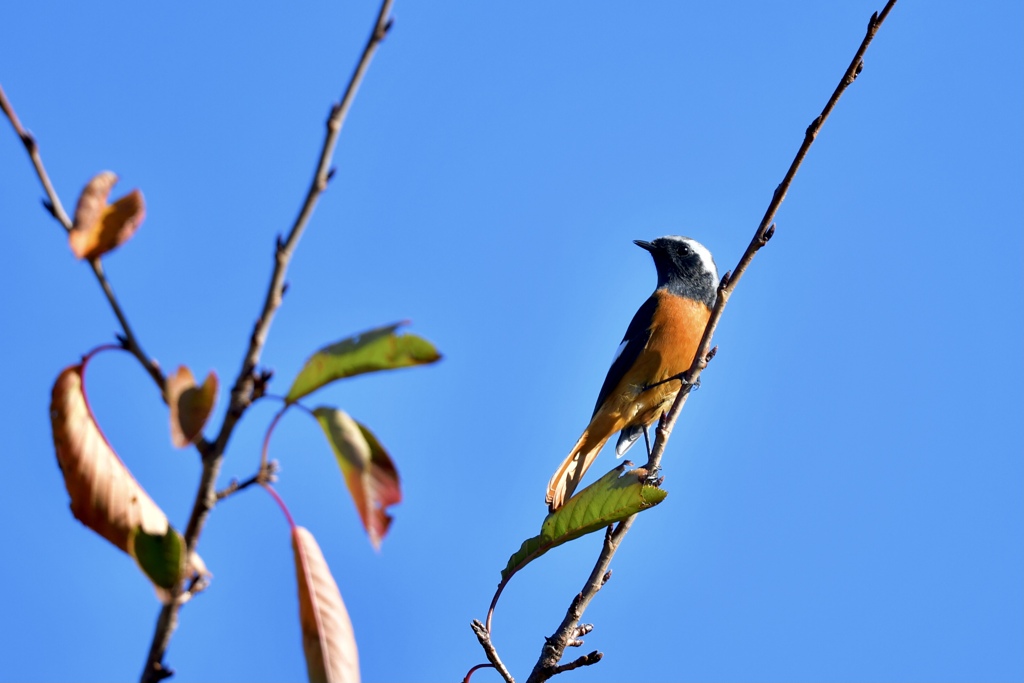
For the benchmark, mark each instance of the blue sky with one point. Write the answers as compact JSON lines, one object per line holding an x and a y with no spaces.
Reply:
{"x":845,"y":489}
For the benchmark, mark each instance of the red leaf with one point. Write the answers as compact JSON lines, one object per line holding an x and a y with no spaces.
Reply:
{"x":328,"y":640}
{"x":370,"y":474}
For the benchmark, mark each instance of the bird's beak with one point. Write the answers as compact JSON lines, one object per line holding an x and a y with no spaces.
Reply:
{"x":644,"y":244}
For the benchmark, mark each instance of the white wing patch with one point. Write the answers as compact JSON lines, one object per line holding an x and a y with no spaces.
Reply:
{"x":618,"y":351}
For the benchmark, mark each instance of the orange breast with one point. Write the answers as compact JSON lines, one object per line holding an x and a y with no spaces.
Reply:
{"x":676,"y":331}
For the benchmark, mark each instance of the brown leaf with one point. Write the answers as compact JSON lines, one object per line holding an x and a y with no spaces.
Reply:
{"x":100,"y":227}
{"x":327,"y":636}
{"x":104,"y":495}
{"x":190,"y":405}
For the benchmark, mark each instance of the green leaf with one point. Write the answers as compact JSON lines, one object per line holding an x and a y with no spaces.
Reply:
{"x":161,"y":556}
{"x":379,"y":349}
{"x":369,"y":473}
{"x":610,"y":499}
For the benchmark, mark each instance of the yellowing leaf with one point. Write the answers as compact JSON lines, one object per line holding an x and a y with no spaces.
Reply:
{"x":328,"y":640}
{"x":100,"y":227}
{"x":370,"y":351}
{"x":190,"y":405}
{"x":608,"y":500}
{"x":104,"y":495}
{"x":370,"y":474}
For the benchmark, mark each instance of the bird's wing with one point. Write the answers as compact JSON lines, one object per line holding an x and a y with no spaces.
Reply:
{"x":637,"y":335}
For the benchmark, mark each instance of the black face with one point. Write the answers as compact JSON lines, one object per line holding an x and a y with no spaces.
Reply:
{"x":684,"y":267}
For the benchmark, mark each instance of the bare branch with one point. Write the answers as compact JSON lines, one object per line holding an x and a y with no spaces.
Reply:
{"x":246,"y":385}
{"x":129,"y":341}
{"x":586,"y":660}
{"x":54,"y":205}
{"x":492,"y":655}
{"x":569,"y":631}
{"x":286,"y":247}
{"x":554,"y":647}
{"x":267,"y":474}
{"x":56,"y":209}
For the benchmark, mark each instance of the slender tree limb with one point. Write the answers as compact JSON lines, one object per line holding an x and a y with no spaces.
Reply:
{"x":554,"y":647}
{"x":492,"y":654}
{"x":764,"y":232}
{"x":267,"y":474}
{"x":56,"y":209}
{"x":586,"y":660}
{"x":248,"y":381}
{"x":54,"y":205}
{"x":129,"y":340}
{"x":568,"y":632}
{"x":321,"y":177}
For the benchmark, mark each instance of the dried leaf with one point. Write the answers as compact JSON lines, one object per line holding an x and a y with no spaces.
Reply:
{"x":370,"y":351}
{"x":328,"y":640}
{"x":100,"y":227}
{"x":369,"y":473}
{"x":104,"y":495}
{"x":608,"y":500}
{"x":190,"y":405}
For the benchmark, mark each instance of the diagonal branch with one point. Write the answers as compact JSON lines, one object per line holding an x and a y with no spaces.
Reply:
{"x":566,"y":634}
{"x":54,"y":205}
{"x":321,"y":177}
{"x":242,"y":393}
{"x":129,"y":340}
{"x":484,"y":636}
{"x":56,"y":209}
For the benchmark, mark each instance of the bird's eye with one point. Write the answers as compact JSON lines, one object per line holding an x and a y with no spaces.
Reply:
{"x":684,"y":248}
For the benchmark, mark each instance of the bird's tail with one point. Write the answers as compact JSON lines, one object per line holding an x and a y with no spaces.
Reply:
{"x":568,"y":475}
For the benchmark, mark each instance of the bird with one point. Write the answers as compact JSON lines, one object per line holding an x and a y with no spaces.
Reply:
{"x":660,"y":344}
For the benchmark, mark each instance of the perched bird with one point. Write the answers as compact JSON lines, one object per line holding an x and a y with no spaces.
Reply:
{"x":660,"y":342}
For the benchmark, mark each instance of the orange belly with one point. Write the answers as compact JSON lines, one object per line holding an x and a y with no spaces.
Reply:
{"x":642,"y":395}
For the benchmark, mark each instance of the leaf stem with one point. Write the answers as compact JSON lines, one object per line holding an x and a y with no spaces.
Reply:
{"x":266,"y":437}
{"x":280,"y":503}
{"x":473,"y":670}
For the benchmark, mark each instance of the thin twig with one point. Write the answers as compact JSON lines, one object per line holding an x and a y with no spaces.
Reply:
{"x":54,"y":205}
{"x":586,"y":660}
{"x":764,"y":232}
{"x":242,"y":392}
{"x":492,"y":654}
{"x":56,"y":209}
{"x":267,"y":474}
{"x":568,"y":632}
{"x":565,"y":636}
{"x":283,"y":256}
{"x":129,"y":340}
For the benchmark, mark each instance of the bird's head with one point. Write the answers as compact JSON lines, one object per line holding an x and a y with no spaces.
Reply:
{"x":685,"y":267}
